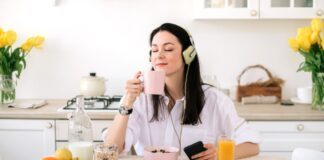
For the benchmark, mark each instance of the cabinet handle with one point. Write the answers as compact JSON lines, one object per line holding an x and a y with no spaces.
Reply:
{"x":319,"y":12}
{"x":49,"y":125}
{"x":104,"y":129}
{"x":300,"y":127}
{"x":253,"y":13}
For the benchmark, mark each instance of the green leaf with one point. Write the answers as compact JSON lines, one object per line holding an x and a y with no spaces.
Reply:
{"x":15,"y":54}
{"x":1,"y":70}
{"x":24,"y":62}
{"x":19,"y":69}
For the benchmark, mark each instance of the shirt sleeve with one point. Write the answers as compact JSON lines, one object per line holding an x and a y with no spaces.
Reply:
{"x":235,"y":126}
{"x":133,"y":130}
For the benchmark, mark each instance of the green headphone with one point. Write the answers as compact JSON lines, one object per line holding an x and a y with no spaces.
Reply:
{"x":190,"y":53}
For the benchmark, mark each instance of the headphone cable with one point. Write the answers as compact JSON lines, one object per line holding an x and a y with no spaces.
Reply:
{"x":185,"y":94}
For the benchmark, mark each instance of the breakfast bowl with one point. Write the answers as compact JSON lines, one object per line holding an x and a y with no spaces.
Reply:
{"x":161,"y":153}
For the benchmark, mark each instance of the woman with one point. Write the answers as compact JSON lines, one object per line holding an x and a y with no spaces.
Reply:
{"x":190,"y":111}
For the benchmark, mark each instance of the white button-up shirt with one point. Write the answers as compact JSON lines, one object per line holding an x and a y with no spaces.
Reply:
{"x":218,"y":117}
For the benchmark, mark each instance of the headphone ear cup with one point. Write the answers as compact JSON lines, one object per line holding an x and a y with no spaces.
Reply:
{"x":189,"y":54}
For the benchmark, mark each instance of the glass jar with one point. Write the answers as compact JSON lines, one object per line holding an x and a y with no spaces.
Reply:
{"x":7,"y":89}
{"x":106,"y":152}
{"x":80,"y":132}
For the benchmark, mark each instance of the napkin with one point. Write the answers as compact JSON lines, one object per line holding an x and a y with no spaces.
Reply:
{"x":28,"y":104}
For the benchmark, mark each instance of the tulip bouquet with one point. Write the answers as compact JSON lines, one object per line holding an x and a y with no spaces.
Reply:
{"x":12,"y":61}
{"x":309,"y":42}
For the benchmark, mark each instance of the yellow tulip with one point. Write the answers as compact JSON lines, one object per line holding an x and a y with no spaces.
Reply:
{"x":32,"y":42}
{"x":316,"y":24}
{"x":293,"y":44}
{"x":314,"y":37}
{"x":305,"y":45}
{"x":306,"y":31}
{"x":2,"y":41}
{"x":1,"y":31}
{"x":11,"y":37}
{"x":303,"y":39}
{"x":38,"y":41}
{"x":321,"y":34}
{"x":26,"y":47}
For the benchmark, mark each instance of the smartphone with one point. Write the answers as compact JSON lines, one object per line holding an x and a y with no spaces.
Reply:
{"x":287,"y":103}
{"x":194,"y":149}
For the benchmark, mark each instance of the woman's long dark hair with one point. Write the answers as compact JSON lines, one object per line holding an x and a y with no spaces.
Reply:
{"x":195,"y":98}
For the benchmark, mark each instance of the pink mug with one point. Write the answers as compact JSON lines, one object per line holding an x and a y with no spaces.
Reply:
{"x":154,"y":82}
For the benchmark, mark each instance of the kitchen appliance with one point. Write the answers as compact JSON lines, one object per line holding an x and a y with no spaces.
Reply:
{"x":94,"y":104}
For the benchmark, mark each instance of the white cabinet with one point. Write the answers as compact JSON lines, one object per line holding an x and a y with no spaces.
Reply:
{"x":26,"y":139}
{"x":291,"y":9}
{"x":226,"y":9}
{"x":98,"y":127}
{"x":281,"y":137}
{"x":258,"y":9}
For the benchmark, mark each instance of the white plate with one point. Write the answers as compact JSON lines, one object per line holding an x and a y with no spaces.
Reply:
{"x":297,"y":100}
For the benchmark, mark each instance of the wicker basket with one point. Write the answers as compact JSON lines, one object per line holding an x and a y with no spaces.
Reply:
{"x":268,"y":88}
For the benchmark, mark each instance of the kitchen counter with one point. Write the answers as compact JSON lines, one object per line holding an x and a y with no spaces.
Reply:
{"x":254,"y":112}
{"x":49,"y":111}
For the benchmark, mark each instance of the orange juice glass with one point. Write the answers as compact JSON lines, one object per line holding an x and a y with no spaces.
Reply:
{"x":225,"y":148}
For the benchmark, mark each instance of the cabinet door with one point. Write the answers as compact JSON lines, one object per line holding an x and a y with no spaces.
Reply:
{"x":291,"y":9}
{"x":285,"y":136}
{"x":226,"y":9}
{"x":26,"y":139}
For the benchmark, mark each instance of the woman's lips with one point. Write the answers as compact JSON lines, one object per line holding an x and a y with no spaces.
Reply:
{"x":160,"y":64}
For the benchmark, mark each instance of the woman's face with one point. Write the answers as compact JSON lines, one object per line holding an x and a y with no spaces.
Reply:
{"x":166,"y":53}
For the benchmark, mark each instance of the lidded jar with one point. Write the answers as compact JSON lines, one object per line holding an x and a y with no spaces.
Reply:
{"x":92,"y":85}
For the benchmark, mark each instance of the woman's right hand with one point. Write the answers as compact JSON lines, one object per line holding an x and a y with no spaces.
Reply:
{"x":133,"y":88}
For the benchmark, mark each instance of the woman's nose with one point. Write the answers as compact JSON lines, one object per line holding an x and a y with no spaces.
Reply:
{"x":160,"y":54}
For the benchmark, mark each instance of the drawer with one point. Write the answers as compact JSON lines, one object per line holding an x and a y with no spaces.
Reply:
{"x":285,"y":136}
{"x":288,"y":126}
{"x":97,"y":126}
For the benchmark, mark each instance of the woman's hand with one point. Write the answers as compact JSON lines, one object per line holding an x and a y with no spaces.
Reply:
{"x":209,"y":154}
{"x":133,"y":88}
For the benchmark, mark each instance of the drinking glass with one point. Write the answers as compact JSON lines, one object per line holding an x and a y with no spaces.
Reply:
{"x":226,"y":146}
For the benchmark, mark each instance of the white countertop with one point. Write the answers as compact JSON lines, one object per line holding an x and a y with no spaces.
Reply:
{"x":255,"y":112}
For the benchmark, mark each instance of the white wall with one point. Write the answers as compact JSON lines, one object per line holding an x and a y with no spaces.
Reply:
{"x":110,"y":37}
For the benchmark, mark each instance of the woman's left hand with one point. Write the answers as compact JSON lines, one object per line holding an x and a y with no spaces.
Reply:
{"x":209,"y":154}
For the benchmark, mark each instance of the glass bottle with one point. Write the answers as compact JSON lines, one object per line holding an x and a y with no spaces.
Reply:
{"x":80,"y":132}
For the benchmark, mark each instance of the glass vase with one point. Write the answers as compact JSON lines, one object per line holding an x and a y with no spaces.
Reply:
{"x":318,"y":90}
{"x":7,"y":89}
